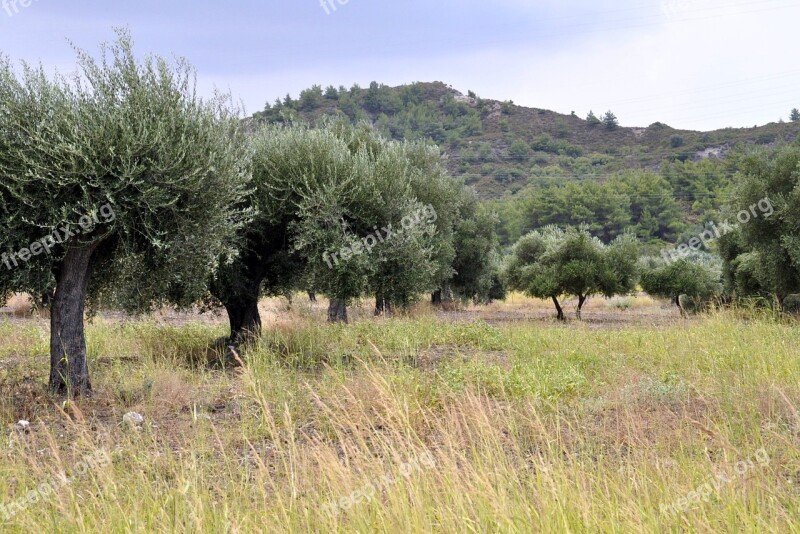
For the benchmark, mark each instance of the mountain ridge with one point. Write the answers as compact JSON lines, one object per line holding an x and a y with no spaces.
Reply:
{"x":502,"y":148}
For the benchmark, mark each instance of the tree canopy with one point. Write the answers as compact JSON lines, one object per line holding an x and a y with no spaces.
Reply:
{"x":696,"y":276}
{"x":763,"y":256}
{"x":553,"y":262}
{"x":130,"y":141}
{"x":357,"y":214}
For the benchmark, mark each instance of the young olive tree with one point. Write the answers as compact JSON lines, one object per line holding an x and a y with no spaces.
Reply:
{"x":697,"y":277}
{"x":529,"y":270}
{"x":553,"y":262}
{"x":133,"y":179}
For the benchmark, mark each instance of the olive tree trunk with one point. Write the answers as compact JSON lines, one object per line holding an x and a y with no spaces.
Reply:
{"x":69,"y":370}
{"x":680,"y":307}
{"x":244,"y":318}
{"x":559,"y":309}
{"x":442,"y":296}
{"x":383,"y":307}
{"x":337,"y":311}
{"x":581,"y":301}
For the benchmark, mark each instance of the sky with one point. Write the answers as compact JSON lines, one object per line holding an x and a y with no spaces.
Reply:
{"x":692,"y":64}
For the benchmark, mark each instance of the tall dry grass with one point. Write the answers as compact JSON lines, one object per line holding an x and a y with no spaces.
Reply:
{"x":415,"y":425}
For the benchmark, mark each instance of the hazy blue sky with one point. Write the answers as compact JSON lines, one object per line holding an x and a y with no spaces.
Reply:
{"x":696,"y":64}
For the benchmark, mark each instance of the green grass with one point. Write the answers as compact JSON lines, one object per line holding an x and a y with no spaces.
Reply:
{"x":441,"y":427}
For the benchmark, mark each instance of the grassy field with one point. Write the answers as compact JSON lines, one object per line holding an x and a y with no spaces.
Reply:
{"x":492,"y":419}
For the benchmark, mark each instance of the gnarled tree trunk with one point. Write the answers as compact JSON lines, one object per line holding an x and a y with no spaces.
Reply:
{"x":244,"y":318}
{"x":337,"y":311}
{"x":69,"y":370}
{"x":442,"y":296}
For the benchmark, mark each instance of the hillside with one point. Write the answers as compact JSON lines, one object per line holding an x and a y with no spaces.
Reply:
{"x":501,"y":148}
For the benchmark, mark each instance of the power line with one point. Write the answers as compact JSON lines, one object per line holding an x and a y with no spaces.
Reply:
{"x":732,"y":98}
{"x":712,"y":87}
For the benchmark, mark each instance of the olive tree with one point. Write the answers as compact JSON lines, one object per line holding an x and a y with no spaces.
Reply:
{"x":435,"y":188}
{"x":118,"y":181}
{"x":552,"y":262}
{"x":295,"y":170}
{"x":337,"y":203}
{"x":767,"y":206}
{"x":476,"y":265}
{"x":380,"y":236}
{"x":423,"y":179}
{"x":696,"y":276}
{"x":743,"y":272}
{"x":263,"y":266}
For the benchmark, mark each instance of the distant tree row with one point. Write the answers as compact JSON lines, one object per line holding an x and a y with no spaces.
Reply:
{"x":399,"y":113}
{"x":343,"y":211}
{"x":757,"y":256}
{"x":553,"y":263}
{"x":638,"y":201}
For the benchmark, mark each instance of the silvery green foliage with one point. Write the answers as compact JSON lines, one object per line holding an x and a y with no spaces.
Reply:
{"x":772,"y":244}
{"x":745,"y":273}
{"x":131,"y":134}
{"x":336,"y":185}
{"x":552,"y":262}
{"x":433,"y":186}
{"x":697,"y":275}
{"x":477,"y":260}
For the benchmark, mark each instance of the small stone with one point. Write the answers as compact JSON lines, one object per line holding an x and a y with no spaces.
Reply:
{"x":23,"y":426}
{"x":133,"y":418}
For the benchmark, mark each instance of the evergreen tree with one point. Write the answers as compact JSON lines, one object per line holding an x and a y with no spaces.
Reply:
{"x":767,"y":205}
{"x":610,"y":121}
